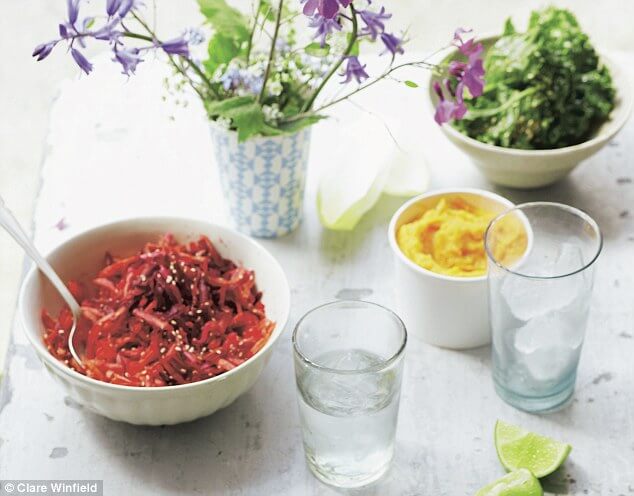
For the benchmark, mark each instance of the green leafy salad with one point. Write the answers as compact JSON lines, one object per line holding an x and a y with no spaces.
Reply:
{"x":545,"y":88}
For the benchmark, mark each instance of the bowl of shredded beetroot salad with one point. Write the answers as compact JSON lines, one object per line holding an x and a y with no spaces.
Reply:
{"x":172,"y":313}
{"x":162,"y":308}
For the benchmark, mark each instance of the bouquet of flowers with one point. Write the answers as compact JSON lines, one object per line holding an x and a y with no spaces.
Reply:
{"x":259,"y":77}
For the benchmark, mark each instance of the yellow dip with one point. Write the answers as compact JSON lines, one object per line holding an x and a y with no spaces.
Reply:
{"x":449,"y":239}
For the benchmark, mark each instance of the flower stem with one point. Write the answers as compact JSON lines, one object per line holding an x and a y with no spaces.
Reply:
{"x":272,"y":51}
{"x":252,"y":34}
{"x":353,"y":38}
{"x":388,"y":72}
{"x":192,"y":65}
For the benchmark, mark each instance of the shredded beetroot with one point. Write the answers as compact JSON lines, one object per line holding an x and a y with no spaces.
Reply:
{"x":171,"y":314}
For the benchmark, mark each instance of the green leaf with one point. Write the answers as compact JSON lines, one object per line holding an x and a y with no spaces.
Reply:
{"x":231,"y":31}
{"x":299,"y":124}
{"x":221,"y":107}
{"x":246,"y":116}
{"x":222,"y":49}
{"x":316,"y":50}
{"x":225,"y":19}
{"x":509,"y":28}
{"x":267,"y":11}
{"x":355,"y":47}
{"x":411,"y":84}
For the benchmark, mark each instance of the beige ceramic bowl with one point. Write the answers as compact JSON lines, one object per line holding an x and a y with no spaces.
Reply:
{"x":82,"y":256}
{"x":446,"y":311}
{"x":527,"y":169}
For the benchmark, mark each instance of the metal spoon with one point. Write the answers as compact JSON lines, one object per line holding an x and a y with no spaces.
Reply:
{"x":13,"y":227}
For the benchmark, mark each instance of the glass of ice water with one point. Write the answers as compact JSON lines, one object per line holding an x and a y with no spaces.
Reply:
{"x":348,"y":367}
{"x":539,"y":302}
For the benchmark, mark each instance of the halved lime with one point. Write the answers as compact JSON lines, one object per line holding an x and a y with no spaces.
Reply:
{"x":517,"y":483}
{"x":518,"y":448}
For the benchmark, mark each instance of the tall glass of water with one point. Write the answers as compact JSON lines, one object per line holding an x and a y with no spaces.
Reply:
{"x":348,"y":367}
{"x":539,"y":303}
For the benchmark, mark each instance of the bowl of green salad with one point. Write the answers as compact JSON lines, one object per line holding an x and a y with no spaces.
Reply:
{"x":550,"y":101}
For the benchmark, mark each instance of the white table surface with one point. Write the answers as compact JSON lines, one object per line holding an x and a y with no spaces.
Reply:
{"x":125,"y":153}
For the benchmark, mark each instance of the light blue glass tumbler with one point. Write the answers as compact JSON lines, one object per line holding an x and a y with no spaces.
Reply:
{"x":539,"y":303}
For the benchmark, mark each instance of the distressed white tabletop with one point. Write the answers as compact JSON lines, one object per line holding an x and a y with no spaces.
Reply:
{"x":115,"y":150}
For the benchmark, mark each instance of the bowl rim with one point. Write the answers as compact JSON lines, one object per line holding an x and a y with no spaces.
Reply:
{"x":505,"y":202}
{"x":43,"y":353}
{"x":623,"y":95}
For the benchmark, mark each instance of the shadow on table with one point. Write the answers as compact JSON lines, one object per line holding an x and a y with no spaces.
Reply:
{"x":605,"y":207}
{"x":236,"y":448}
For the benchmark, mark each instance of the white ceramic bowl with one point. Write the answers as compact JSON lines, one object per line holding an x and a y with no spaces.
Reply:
{"x":82,"y":256}
{"x":446,"y":311}
{"x":527,"y":169}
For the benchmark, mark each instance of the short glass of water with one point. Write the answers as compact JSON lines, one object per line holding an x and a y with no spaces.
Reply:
{"x":348,"y":367}
{"x":539,"y":302}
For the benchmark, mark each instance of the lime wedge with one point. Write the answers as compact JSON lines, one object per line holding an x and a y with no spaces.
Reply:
{"x":517,"y":483}
{"x":518,"y":448}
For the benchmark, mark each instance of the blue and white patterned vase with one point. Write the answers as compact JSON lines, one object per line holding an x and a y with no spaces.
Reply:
{"x":263,"y":179}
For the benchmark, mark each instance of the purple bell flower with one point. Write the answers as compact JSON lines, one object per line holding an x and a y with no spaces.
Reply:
{"x":374,"y":22}
{"x":324,"y":27}
{"x":129,"y":58}
{"x":354,"y":70}
{"x":82,"y":61}
{"x":42,"y":51}
{"x":392,"y":43}
{"x":325,"y":8}
{"x":177,"y":46}
{"x":73,"y":10}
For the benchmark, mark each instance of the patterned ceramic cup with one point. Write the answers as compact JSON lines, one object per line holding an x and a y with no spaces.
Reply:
{"x":263,"y":180}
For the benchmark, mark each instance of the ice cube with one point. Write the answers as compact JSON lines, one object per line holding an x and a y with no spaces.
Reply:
{"x":552,"y":329}
{"x":569,"y":259}
{"x":528,"y":298}
{"x":551,"y":363}
{"x":548,"y":345}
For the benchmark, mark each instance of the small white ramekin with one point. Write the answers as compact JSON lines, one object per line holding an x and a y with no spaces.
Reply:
{"x":446,"y":311}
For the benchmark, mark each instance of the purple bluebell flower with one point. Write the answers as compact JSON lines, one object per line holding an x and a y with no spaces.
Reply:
{"x":323,"y":27}
{"x":325,"y":8}
{"x":82,"y":61}
{"x":109,"y":31}
{"x":73,"y":10}
{"x":468,"y":48}
{"x":63,"y":31}
{"x":129,"y":58}
{"x":470,"y":73}
{"x":128,"y":5}
{"x":121,"y":7}
{"x":392,"y":43}
{"x":177,"y":46}
{"x":354,"y":70}
{"x":42,"y":51}
{"x":112,"y":7}
{"x":446,"y":110}
{"x":374,"y":22}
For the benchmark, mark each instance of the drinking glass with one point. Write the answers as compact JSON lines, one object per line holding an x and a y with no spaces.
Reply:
{"x":348,"y":368}
{"x":539,"y":302}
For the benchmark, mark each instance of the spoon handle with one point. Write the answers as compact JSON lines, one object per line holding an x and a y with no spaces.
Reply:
{"x":13,"y":227}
